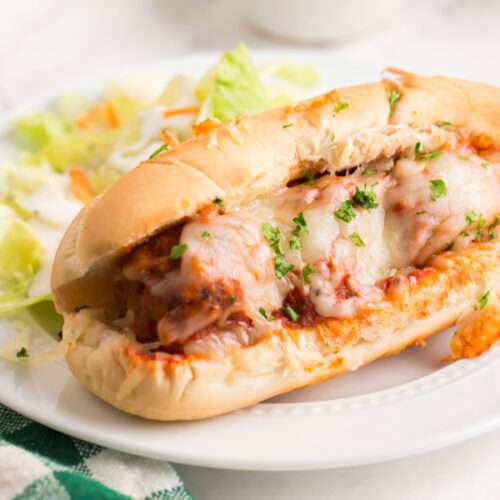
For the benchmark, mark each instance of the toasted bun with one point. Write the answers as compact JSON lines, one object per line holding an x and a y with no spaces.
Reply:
{"x":111,"y":366}
{"x":239,"y":162}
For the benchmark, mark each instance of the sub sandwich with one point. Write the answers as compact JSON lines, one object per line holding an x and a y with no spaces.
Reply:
{"x":283,"y":248}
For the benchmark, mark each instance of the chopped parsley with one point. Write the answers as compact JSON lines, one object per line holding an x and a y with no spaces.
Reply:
{"x":438,"y":189}
{"x":332,"y":137}
{"x":291,"y":314}
{"x":492,"y":231}
{"x":365,"y":198}
{"x":306,"y":273}
{"x":281,"y":266}
{"x":272,"y":236}
{"x":265,"y":314}
{"x":483,"y":301}
{"x":288,"y":125}
{"x":369,"y":172}
{"x":483,"y":164}
{"x":419,"y":156}
{"x":233,"y":299}
{"x":357,"y":240}
{"x":463,"y":157}
{"x":393,"y":96}
{"x":345,"y":213}
{"x":481,"y":222}
{"x":295,"y":244}
{"x":177,"y":251}
{"x":219,"y":201}
{"x":300,"y":225}
{"x":206,"y":235}
{"x":340,"y":106}
{"x":156,"y":152}
{"x":443,"y":124}
{"x":308,"y":177}
{"x":22,"y":353}
{"x":470,"y":217}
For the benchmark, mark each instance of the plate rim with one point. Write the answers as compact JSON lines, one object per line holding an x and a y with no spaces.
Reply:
{"x":92,"y":85}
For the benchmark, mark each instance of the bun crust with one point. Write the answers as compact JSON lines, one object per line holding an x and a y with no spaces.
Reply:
{"x":110,"y":365}
{"x":239,"y":162}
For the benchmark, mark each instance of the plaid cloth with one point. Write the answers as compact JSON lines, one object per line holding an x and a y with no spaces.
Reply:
{"x":39,"y":463}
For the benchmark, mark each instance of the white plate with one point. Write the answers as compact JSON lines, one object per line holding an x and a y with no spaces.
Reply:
{"x":395,"y":407}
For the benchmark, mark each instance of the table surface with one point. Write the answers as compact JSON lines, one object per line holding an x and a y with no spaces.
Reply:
{"x":45,"y":44}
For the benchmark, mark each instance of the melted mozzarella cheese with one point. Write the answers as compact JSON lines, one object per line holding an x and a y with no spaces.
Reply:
{"x":417,"y":225}
{"x":409,"y":224}
{"x":233,"y":246}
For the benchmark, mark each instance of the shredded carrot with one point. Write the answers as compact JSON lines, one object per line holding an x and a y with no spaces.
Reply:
{"x":205,"y":126}
{"x":80,"y":186}
{"x":104,"y":114}
{"x":181,"y":111}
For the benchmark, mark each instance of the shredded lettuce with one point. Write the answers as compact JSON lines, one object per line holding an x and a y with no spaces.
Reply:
{"x":15,"y":299}
{"x":53,"y":136}
{"x":298,"y":74}
{"x":20,"y":251}
{"x":21,"y":255}
{"x":233,"y":87}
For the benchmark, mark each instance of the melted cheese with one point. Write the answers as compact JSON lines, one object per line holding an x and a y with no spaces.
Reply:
{"x":228,"y":253}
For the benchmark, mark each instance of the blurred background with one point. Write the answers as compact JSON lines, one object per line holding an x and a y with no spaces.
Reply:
{"x":46,"y":45}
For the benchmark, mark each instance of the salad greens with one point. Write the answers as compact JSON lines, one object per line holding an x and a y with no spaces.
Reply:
{"x":232,"y":87}
{"x":76,"y":148}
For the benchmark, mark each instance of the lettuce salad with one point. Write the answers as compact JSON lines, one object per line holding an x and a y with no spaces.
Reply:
{"x":73,"y":151}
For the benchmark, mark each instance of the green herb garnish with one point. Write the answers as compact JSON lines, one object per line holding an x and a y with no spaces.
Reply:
{"x":206,"y":235}
{"x":345,"y":213}
{"x":219,"y":201}
{"x":332,"y":137}
{"x":291,"y":314}
{"x":156,"y":152}
{"x":419,"y":156}
{"x":233,"y":299}
{"x":272,"y":236}
{"x":470,"y":217}
{"x":281,"y":266}
{"x":308,"y":177}
{"x":177,"y":251}
{"x":306,"y":273}
{"x":295,"y":244}
{"x":369,"y":172}
{"x":393,"y":97}
{"x":443,"y":124}
{"x":357,"y":240}
{"x":483,"y":301}
{"x":492,"y":231}
{"x":22,"y":353}
{"x":265,"y":314}
{"x":365,"y":198}
{"x":340,"y":106}
{"x":300,"y":225}
{"x":288,"y":125}
{"x":438,"y":189}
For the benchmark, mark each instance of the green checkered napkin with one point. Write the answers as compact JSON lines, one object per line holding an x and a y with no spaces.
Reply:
{"x":39,"y":463}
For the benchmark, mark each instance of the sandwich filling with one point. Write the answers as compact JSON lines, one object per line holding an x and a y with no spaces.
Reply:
{"x":323,"y":247}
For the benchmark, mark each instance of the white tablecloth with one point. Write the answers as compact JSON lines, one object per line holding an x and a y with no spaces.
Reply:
{"x":44,"y":44}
